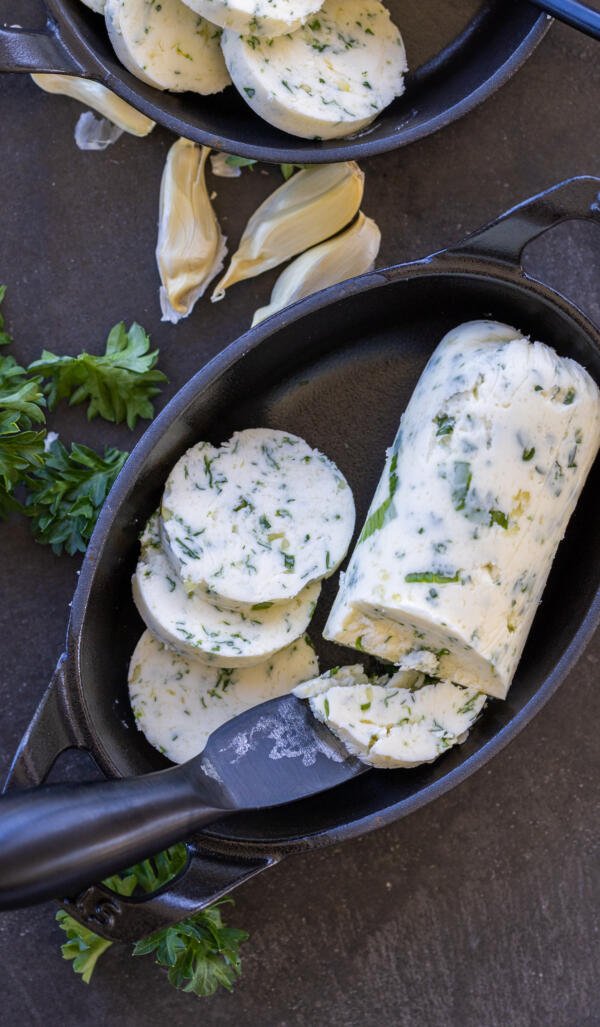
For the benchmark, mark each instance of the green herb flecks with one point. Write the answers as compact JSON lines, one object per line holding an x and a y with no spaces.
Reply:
{"x":431,"y":577}
{"x":461,"y":483}
{"x":385,"y":512}
{"x":499,"y":518}
{"x":445,"y":425}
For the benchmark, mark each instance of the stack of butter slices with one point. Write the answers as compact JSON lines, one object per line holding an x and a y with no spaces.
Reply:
{"x":314,"y":69}
{"x":228,"y":579}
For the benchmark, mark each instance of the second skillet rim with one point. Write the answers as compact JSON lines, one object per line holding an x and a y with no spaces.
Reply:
{"x":445,"y":263}
{"x":355,"y":149}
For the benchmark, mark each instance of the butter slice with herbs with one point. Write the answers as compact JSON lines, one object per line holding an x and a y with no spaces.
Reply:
{"x":396,"y":722}
{"x":197,"y":628}
{"x":491,"y":456}
{"x":256,"y":520}
{"x":329,"y":78}
{"x":256,"y":17}
{"x":178,"y":702}
{"x":167,"y":45}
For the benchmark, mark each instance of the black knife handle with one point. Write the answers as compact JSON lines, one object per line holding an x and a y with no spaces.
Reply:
{"x":58,"y":839}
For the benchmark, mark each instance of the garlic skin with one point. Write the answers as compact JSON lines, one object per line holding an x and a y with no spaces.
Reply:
{"x":92,"y":133}
{"x":311,"y":206}
{"x":350,"y":253}
{"x":100,"y":99}
{"x":191,"y":247}
{"x":221,"y":169}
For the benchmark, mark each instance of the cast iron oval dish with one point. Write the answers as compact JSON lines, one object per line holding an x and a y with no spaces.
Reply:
{"x":458,"y":54}
{"x":338,"y":369}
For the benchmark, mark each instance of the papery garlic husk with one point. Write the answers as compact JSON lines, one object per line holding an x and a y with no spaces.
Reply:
{"x":92,"y":133}
{"x":311,"y":206}
{"x":100,"y":99}
{"x":350,"y":253}
{"x":220,"y":167}
{"x":191,"y":247}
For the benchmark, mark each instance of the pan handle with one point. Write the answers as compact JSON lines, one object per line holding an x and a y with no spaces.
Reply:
{"x":54,"y":728}
{"x":207,"y":877}
{"x":573,"y":13}
{"x":505,"y":239}
{"x":25,"y":50}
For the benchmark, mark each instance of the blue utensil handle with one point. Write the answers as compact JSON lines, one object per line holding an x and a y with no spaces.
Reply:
{"x":573,"y":13}
{"x":58,"y":839}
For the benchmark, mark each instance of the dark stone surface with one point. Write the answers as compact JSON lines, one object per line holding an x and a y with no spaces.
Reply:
{"x":480,"y":910}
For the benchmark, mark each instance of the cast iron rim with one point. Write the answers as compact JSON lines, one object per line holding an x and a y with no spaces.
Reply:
{"x":445,"y":264}
{"x":93,"y":66}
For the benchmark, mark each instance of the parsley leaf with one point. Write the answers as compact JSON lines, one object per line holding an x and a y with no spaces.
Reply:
{"x":118,"y":385}
{"x":201,"y":953}
{"x":239,"y":162}
{"x":66,"y":494}
{"x":83,"y":946}
{"x":21,"y":448}
{"x":5,"y":338}
{"x":287,"y":170}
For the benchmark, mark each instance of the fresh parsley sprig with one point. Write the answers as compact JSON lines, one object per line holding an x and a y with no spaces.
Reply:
{"x":21,"y":407}
{"x":65,"y":495}
{"x":119,"y":385}
{"x":201,"y":953}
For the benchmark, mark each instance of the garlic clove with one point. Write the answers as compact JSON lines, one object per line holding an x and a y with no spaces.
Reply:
{"x":100,"y":99}
{"x":311,"y":206}
{"x":348,"y":254}
{"x":191,"y":248}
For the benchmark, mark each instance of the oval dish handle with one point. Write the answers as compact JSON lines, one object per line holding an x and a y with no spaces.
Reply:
{"x":505,"y":239}
{"x":53,"y":728}
{"x":27,"y":50}
{"x":207,"y":877}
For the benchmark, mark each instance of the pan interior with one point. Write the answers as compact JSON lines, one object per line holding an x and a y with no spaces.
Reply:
{"x":339,"y":377}
{"x":453,"y":48}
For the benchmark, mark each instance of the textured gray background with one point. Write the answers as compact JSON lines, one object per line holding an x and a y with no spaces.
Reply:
{"x":480,"y":910}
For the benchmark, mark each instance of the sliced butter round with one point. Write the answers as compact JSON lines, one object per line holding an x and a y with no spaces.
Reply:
{"x":197,"y":628}
{"x":167,"y":45}
{"x":178,"y":702}
{"x":329,"y":78}
{"x":256,"y":520}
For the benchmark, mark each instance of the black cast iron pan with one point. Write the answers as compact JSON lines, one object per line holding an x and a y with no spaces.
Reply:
{"x":337,"y":369}
{"x":459,"y":53}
